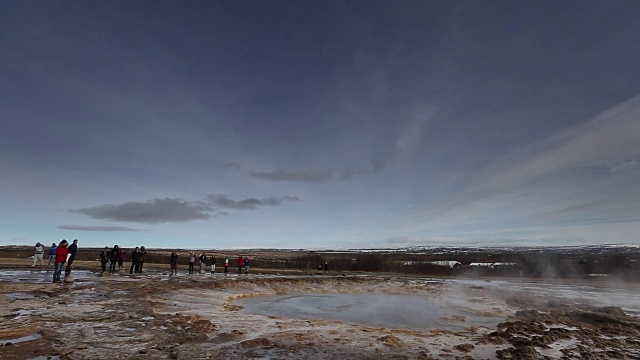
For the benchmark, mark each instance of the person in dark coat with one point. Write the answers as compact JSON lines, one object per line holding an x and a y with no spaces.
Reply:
{"x":113,"y":257}
{"x":143,"y":252}
{"x":203,"y":262}
{"x":104,"y":258}
{"x":73,"y":250}
{"x":135,"y":259}
{"x":174,"y":263}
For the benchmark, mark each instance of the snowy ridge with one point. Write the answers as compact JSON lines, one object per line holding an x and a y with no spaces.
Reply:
{"x":580,"y":249}
{"x":430,"y":249}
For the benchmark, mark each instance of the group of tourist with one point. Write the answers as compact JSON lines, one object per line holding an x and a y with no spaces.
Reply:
{"x":115,"y":257}
{"x":243,"y":263}
{"x":58,"y":255}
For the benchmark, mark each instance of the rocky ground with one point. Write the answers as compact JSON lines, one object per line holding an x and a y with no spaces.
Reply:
{"x":155,"y":316}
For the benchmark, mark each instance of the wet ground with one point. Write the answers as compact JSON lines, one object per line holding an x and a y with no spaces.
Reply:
{"x":377,"y":310}
{"x":40,"y":276}
{"x":155,"y":316}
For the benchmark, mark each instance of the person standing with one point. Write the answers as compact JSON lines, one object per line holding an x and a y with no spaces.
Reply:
{"x":213,"y":264}
{"x":226,"y":265}
{"x":203,"y":262}
{"x":135,"y":257}
{"x":121,"y":257}
{"x":192,"y":261}
{"x":174,"y":263}
{"x":73,"y":250}
{"x":113,"y":257}
{"x":143,"y":252}
{"x":61,"y":257}
{"x":246,"y":265}
{"x":52,"y":254}
{"x":240,"y":264}
{"x":38,"y":254}
{"x":104,"y":258}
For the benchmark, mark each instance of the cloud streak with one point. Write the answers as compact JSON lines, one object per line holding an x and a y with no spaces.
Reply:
{"x":546,"y":191}
{"x":223,"y":202}
{"x":611,"y":137}
{"x":375,"y":168}
{"x":608,"y":141}
{"x":312,"y":176}
{"x":315,"y":176}
{"x":95,"y":228}
{"x":624,"y":165}
{"x":411,"y":132}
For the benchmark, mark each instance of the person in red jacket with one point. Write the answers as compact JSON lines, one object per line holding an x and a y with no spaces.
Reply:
{"x":61,"y":257}
{"x":240,"y":264}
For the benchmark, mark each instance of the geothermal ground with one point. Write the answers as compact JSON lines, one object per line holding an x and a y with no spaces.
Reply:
{"x":320,"y":316}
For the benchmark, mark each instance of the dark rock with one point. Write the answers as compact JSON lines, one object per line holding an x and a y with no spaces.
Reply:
{"x":612,"y":310}
{"x":523,"y":353}
{"x":556,"y":304}
{"x":464,"y":347}
{"x":529,"y":315}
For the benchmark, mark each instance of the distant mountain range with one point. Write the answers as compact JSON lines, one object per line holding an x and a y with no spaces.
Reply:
{"x":432,"y":249}
{"x":453,"y":250}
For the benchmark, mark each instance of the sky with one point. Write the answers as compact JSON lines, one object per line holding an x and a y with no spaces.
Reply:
{"x":319,"y":124}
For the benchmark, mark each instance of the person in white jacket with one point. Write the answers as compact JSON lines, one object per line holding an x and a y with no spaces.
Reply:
{"x":39,"y":255}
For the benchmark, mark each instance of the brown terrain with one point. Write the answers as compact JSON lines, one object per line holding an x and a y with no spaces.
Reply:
{"x":157,"y":316}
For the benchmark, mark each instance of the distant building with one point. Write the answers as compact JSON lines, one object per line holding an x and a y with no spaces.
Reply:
{"x":492,"y":265}
{"x":451,"y":264}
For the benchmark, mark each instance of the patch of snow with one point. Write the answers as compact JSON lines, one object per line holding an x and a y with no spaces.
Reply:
{"x":561,"y":326}
{"x":21,"y":339}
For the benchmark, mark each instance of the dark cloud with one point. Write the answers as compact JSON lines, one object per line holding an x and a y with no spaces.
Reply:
{"x":223,"y":202}
{"x":297,"y":176}
{"x":154,"y":211}
{"x":95,"y":228}
{"x":169,"y":210}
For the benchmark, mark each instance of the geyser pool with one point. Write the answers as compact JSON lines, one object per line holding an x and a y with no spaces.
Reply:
{"x":377,"y":310}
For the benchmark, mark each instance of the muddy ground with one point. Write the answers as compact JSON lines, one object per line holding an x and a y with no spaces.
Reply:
{"x":157,"y":316}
